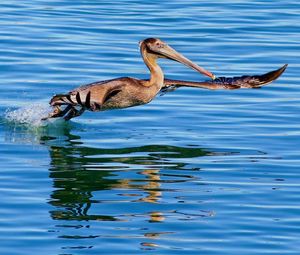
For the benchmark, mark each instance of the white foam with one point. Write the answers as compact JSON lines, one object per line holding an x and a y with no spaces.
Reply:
{"x":30,"y":114}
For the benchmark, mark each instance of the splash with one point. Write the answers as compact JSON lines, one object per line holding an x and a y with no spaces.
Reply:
{"x":25,"y":125}
{"x":30,"y":114}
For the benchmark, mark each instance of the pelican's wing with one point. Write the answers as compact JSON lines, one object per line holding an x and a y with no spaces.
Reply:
{"x":247,"y":81}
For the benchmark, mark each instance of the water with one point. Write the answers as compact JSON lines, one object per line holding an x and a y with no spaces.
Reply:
{"x":193,"y":172}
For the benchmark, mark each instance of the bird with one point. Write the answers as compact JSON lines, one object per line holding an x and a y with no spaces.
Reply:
{"x":126,"y":92}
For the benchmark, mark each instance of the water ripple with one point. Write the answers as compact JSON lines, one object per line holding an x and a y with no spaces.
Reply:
{"x":194,"y":171}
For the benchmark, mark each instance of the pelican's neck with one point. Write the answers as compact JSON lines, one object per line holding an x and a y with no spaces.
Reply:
{"x":156,"y":74}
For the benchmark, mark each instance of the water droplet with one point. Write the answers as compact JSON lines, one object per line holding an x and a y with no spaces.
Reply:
{"x":31,"y":114}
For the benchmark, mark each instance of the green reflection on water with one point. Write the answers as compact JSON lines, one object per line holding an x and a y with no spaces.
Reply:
{"x":79,"y":171}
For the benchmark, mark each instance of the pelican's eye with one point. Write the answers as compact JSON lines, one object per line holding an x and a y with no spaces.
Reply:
{"x":159,"y":45}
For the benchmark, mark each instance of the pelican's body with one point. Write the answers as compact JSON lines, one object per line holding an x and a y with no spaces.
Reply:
{"x":112,"y":94}
{"x":127,"y":92}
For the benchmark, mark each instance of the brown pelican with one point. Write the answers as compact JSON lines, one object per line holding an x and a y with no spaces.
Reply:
{"x":126,"y":91}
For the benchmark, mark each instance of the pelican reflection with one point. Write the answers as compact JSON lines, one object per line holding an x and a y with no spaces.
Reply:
{"x":99,"y":192}
{"x":83,"y":175}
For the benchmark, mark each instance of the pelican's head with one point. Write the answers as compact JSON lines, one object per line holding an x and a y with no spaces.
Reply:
{"x":160,"y":49}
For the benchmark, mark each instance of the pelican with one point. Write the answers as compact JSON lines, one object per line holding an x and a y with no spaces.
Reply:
{"x":127,"y":92}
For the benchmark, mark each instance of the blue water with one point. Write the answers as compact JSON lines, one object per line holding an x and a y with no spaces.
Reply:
{"x":193,"y":172}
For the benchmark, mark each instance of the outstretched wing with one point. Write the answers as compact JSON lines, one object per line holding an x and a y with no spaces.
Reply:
{"x":247,"y":81}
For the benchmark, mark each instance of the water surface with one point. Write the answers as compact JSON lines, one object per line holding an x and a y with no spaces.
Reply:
{"x":194,"y":171}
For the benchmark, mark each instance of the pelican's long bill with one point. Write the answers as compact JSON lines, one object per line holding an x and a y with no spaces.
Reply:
{"x":167,"y":51}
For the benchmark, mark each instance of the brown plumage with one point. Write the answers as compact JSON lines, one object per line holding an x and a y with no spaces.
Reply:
{"x":127,"y":92}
